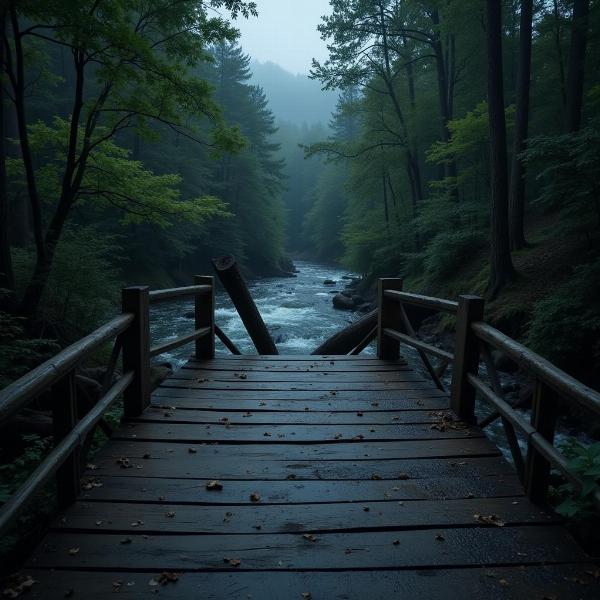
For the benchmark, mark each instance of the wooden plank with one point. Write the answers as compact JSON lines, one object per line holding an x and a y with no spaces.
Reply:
{"x":361,"y":366}
{"x":371,"y":550}
{"x":260,"y":434}
{"x":329,"y":378}
{"x":187,"y":491}
{"x":168,"y":464}
{"x":347,"y":450}
{"x":183,"y":400}
{"x":399,"y":396}
{"x":316,"y":386}
{"x":111,"y":517}
{"x":497,"y":583}
{"x":371,"y":417}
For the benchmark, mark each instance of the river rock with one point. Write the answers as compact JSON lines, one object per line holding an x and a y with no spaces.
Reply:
{"x":358,"y":299}
{"x":343,"y":302}
{"x":329,"y":282}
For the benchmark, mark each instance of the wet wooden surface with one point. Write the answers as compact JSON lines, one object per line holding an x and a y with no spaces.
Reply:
{"x":338,"y":477}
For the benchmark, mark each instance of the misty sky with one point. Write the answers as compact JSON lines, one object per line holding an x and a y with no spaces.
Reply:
{"x":285,"y":33}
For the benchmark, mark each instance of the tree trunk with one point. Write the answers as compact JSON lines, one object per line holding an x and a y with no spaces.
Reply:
{"x":501,"y":267}
{"x":450,"y":170}
{"x":517,"y":174}
{"x":347,"y":339}
{"x":575,"y":74}
{"x":35,"y":289}
{"x":229,"y":275}
{"x":7,"y":280}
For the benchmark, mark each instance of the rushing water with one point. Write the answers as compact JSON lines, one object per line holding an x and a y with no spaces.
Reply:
{"x":297,"y":310}
{"x":300,"y":315}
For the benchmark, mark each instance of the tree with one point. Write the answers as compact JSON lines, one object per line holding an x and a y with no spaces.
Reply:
{"x":6,"y":269}
{"x":132,"y":64}
{"x":501,"y":266}
{"x":361,"y":53}
{"x":575,"y":74}
{"x":517,"y":173}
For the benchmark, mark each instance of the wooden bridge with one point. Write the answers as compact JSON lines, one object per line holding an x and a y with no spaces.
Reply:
{"x":301,"y":476}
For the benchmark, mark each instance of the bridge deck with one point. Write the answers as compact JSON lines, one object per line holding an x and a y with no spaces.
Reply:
{"x":341,"y":477}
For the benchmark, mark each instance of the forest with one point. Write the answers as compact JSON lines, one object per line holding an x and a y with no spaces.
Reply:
{"x":462,"y":155}
{"x":450,"y":144}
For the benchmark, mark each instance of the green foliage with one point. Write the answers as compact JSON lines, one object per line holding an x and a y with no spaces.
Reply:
{"x":15,"y":473}
{"x":584,"y":463}
{"x":18,"y":352}
{"x":84,"y":284}
{"x":113,"y":179}
{"x":448,"y":251}
{"x":569,"y":174}
{"x":568,"y":319}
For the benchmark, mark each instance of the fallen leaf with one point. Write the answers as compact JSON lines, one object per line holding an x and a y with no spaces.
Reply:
{"x":403,"y":476}
{"x":214,"y":485}
{"x":137,"y":523}
{"x":489,"y":520}
{"x":359,"y":414}
{"x":73,"y":551}
{"x":307,"y":595}
{"x":124,"y":463}
{"x":126,"y":540}
{"x":192,"y":450}
{"x":233,"y":562}
{"x":396,"y":542}
{"x":310,"y":537}
{"x":366,"y":508}
{"x":291,"y":476}
{"x":375,"y":477}
{"x":164,"y":578}
{"x":17,"y":585}
{"x":337,"y":436}
{"x":170,"y":515}
{"x":503,"y":582}
{"x":440,"y":538}
{"x":255,"y":497}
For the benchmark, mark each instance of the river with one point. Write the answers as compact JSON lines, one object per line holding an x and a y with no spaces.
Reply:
{"x":300,"y":315}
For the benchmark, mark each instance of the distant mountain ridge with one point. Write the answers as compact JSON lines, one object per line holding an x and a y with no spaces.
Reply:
{"x":293,"y":98}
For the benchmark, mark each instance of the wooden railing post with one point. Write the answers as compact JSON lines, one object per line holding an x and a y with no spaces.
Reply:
{"x":466,"y":357}
{"x":64,"y":418}
{"x":389,"y":317}
{"x":136,"y":350}
{"x":204,"y":311}
{"x":543,"y":419}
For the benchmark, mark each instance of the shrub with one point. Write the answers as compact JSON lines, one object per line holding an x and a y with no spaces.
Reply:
{"x":449,"y":250}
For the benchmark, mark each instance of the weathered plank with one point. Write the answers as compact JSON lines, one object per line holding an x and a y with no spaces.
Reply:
{"x":259,"y":434}
{"x":371,"y":417}
{"x":309,"y":386}
{"x":386,"y":515}
{"x":328,"y":378}
{"x":497,"y":583}
{"x":372,"y":550}
{"x":297,"y":490}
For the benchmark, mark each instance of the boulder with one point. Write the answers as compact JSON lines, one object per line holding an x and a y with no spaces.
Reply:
{"x":343,"y":302}
{"x":329,"y":282}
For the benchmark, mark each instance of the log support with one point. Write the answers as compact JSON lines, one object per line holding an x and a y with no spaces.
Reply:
{"x":230,"y":276}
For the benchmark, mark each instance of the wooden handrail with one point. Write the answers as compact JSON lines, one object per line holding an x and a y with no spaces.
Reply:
{"x":16,"y":395}
{"x":555,"y":378}
{"x":419,"y":345}
{"x":181,"y":292}
{"x":437,"y":304}
{"x":59,"y":454}
{"x":180,"y":341}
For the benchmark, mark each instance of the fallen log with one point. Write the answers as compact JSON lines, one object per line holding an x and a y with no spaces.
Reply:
{"x":229,"y":274}
{"x":350,"y":337}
